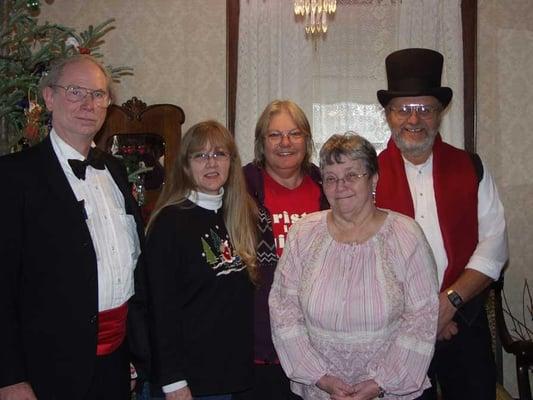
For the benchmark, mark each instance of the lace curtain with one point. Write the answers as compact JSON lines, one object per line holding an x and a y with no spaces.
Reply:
{"x":335,"y":78}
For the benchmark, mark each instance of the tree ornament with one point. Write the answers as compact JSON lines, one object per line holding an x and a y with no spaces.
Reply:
{"x":33,"y":5}
{"x":71,"y":41}
{"x":33,"y":117}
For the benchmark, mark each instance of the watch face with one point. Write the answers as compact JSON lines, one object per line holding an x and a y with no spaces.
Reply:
{"x":455,"y":299}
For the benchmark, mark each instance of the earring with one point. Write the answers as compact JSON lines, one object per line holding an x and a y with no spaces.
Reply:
{"x":374,"y":195}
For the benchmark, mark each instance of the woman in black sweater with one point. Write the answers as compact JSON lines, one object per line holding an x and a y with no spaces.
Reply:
{"x":201,"y":266}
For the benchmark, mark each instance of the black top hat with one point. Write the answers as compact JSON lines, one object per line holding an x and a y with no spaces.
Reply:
{"x":414,"y":72}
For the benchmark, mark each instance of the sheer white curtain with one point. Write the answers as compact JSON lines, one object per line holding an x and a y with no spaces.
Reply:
{"x":335,"y":78}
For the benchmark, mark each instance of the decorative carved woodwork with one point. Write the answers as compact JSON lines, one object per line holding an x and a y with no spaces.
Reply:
{"x":135,"y":117}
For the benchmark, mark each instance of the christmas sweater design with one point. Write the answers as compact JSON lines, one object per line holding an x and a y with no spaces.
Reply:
{"x":218,"y":253}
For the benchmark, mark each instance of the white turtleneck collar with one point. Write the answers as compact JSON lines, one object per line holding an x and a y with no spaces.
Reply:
{"x":208,"y":201}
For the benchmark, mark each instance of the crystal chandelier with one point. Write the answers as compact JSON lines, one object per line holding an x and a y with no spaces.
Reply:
{"x":315,"y":13}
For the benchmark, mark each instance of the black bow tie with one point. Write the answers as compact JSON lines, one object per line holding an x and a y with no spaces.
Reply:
{"x":93,"y":159}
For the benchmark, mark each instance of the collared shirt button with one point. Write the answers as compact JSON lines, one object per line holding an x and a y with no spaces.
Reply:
{"x":93,"y":319}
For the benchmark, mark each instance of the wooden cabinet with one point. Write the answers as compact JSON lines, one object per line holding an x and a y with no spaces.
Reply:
{"x":144,"y":136}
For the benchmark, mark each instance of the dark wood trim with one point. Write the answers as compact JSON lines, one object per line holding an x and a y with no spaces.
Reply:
{"x":469,"y":23}
{"x":232,"y":51}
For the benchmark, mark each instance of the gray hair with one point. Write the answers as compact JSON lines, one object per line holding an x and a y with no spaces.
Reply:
{"x":351,"y":145}
{"x":57,"y":66}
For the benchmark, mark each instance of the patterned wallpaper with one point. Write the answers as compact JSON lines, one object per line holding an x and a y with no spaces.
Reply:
{"x":176,"y":47}
{"x":505,"y":117}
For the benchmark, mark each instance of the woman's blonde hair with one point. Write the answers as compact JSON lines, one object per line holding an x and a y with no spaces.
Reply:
{"x":240,"y":211}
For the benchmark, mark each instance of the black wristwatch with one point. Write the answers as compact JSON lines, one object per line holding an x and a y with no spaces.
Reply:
{"x":381,"y":392}
{"x":455,"y":299}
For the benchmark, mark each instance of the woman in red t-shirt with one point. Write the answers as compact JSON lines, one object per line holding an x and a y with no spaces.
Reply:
{"x":286,"y":185}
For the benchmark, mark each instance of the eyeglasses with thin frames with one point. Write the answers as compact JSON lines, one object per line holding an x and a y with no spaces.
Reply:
{"x":295,"y":136}
{"x":330,"y":181}
{"x":203,"y":157}
{"x":76,"y":94}
{"x":424,"y":111}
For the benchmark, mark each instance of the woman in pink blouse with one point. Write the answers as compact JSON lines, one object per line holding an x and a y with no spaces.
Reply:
{"x":354,"y":302}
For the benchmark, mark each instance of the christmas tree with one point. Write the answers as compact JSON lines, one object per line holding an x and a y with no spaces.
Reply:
{"x":210,"y":257}
{"x":26,"y":50}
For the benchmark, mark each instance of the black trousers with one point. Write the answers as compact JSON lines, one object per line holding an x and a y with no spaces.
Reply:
{"x":270,"y":383}
{"x":111,"y":380}
{"x":464,"y":366}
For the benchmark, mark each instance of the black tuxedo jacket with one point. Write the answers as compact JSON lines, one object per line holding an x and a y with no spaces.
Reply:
{"x":48,"y":278}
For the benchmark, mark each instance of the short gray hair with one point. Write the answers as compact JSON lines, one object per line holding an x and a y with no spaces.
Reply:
{"x":57,"y":66}
{"x":351,"y":145}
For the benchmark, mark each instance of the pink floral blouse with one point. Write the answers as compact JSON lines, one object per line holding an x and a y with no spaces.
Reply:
{"x":356,"y":311}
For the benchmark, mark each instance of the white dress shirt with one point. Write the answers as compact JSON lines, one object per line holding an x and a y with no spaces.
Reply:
{"x":491,"y":252}
{"x":113,"y":232}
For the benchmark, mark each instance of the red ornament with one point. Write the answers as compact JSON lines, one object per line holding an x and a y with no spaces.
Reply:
{"x":84,"y":50}
{"x":31,"y":132}
{"x":33,"y":114}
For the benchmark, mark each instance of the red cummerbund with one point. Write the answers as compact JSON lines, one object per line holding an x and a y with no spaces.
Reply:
{"x":111,"y":329}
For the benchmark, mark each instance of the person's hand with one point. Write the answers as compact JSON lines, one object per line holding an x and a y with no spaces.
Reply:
{"x":446,"y":312}
{"x":448,"y":331}
{"x":18,"y":391}
{"x":365,"y":390}
{"x":336,"y":387}
{"x":180,"y":394}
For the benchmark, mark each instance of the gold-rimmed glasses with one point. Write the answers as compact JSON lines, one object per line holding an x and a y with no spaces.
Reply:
{"x":76,"y":94}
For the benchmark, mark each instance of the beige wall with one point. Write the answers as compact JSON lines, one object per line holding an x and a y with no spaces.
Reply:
{"x":176,"y":47}
{"x":505,"y":141}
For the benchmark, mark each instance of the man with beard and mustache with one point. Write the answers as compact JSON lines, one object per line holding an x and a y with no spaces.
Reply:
{"x":453,"y":197}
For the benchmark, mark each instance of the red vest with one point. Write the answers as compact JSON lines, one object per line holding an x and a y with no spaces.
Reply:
{"x":455,"y":184}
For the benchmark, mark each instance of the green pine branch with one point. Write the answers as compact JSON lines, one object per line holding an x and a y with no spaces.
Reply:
{"x":26,"y":50}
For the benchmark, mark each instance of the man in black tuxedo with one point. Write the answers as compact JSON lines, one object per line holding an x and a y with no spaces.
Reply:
{"x":70,"y":237}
